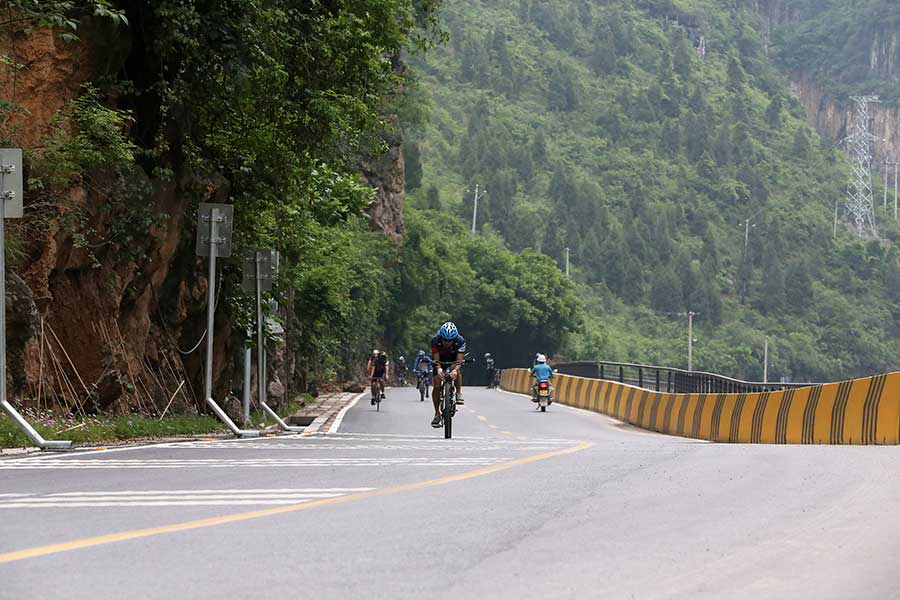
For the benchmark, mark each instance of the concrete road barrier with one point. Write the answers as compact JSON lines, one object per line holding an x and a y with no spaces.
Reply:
{"x":859,"y":411}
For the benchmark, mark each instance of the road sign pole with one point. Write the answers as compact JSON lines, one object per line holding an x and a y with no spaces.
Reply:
{"x":211,"y":302}
{"x":11,"y":169}
{"x":260,"y":348}
{"x":218,"y":244}
{"x":248,"y":365}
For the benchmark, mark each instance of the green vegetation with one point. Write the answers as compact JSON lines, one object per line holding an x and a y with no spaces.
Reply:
{"x":598,"y":127}
{"x":103,"y":429}
{"x":678,"y":182}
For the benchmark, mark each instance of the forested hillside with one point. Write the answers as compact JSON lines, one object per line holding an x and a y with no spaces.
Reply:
{"x":659,"y":142}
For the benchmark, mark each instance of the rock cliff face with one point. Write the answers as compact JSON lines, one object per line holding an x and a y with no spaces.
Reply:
{"x":88,"y":331}
{"x":386,"y":174}
{"x":833,"y":119}
{"x":120,"y":329}
{"x":830,"y":117}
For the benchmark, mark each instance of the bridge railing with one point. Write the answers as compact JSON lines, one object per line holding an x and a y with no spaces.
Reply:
{"x":668,"y":379}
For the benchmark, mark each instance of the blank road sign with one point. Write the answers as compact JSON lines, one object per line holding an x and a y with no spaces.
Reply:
{"x":11,"y":165}
{"x":223,"y":229}
{"x":266,"y":262}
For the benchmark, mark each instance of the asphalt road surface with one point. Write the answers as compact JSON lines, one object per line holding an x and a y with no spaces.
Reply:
{"x":520,"y":504}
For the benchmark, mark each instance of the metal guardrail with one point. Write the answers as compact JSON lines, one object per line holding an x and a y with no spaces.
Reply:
{"x":669,"y":380}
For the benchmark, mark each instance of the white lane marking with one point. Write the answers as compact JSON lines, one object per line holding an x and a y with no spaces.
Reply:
{"x":202,"y":492}
{"x":251,"y":463}
{"x":483,"y":445}
{"x":13,"y":495}
{"x":100,"y":499}
{"x":23,"y":504}
{"x":340,"y":416}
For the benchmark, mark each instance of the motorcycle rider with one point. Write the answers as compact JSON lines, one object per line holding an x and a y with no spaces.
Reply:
{"x":489,"y":366}
{"x":447,"y":346}
{"x":377,"y":368}
{"x":541,"y":371}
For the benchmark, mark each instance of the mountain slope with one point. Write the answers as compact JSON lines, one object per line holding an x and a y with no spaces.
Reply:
{"x":604,"y":130}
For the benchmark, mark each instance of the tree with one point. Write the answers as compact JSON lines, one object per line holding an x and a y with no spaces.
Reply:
{"x":773,"y":112}
{"x":413,"y":165}
{"x":666,"y":292}
{"x":433,"y":198}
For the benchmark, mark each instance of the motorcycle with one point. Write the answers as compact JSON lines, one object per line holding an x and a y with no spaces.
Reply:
{"x":543,"y":395}
{"x":491,"y":376}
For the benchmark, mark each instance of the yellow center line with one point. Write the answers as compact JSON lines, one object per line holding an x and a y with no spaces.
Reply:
{"x":123,"y":536}
{"x":507,"y":432}
{"x":480,"y":418}
{"x":493,"y":426}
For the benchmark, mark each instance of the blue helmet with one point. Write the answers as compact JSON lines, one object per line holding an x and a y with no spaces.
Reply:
{"x":448,"y":331}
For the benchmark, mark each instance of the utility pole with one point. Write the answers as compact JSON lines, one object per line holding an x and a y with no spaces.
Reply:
{"x":766,"y":362}
{"x":690,"y":316}
{"x":884,"y":165}
{"x":475,"y":207}
{"x":567,"y":262}
{"x":895,"y":188}
{"x":834,"y":229}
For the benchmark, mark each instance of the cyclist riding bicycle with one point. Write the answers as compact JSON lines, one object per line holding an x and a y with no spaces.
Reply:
{"x":447,"y":346}
{"x":378,"y":370}
{"x":401,"y":368}
{"x":422,"y":365}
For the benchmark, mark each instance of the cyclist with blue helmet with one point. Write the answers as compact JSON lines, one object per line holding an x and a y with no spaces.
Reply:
{"x":446,"y":346}
{"x":422,"y":362}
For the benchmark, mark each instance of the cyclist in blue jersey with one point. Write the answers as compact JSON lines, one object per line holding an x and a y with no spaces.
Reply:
{"x":447,"y":346}
{"x":422,"y":363}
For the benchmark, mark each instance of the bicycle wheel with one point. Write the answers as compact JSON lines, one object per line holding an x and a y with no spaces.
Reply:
{"x":421,"y":391}
{"x":447,"y":410}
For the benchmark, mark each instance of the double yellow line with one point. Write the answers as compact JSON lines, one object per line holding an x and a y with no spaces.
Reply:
{"x":123,"y":536}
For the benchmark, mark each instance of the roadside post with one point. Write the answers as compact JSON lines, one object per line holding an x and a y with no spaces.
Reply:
{"x":214,"y":228}
{"x":259,"y":272}
{"x":11,"y":194}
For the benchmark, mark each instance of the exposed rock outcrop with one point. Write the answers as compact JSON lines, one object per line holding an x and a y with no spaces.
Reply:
{"x":387,"y":175}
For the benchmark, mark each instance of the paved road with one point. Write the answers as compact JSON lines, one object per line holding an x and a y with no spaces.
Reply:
{"x":520,"y":505}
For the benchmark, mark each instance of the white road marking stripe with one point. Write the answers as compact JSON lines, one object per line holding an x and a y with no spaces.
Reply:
{"x":250,"y":491}
{"x":23,"y":504}
{"x":13,"y":495}
{"x":226,"y":464}
{"x":176,"y":498}
{"x":340,"y":416}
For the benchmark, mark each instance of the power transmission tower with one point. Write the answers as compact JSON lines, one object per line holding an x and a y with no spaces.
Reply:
{"x":859,"y":188}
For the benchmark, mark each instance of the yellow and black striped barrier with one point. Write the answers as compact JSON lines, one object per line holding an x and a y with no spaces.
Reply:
{"x":860,"y":411}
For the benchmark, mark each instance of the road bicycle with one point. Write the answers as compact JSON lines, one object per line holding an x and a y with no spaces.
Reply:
{"x":448,"y":395}
{"x":422,"y":378}
{"x":377,"y":391}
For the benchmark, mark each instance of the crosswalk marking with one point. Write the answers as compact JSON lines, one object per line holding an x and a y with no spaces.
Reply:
{"x":157,"y":498}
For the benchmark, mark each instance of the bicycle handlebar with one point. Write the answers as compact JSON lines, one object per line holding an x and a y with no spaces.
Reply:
{"x":441,"y":363}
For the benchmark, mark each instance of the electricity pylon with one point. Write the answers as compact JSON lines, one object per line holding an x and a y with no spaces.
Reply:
{"x":859,"y":188}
